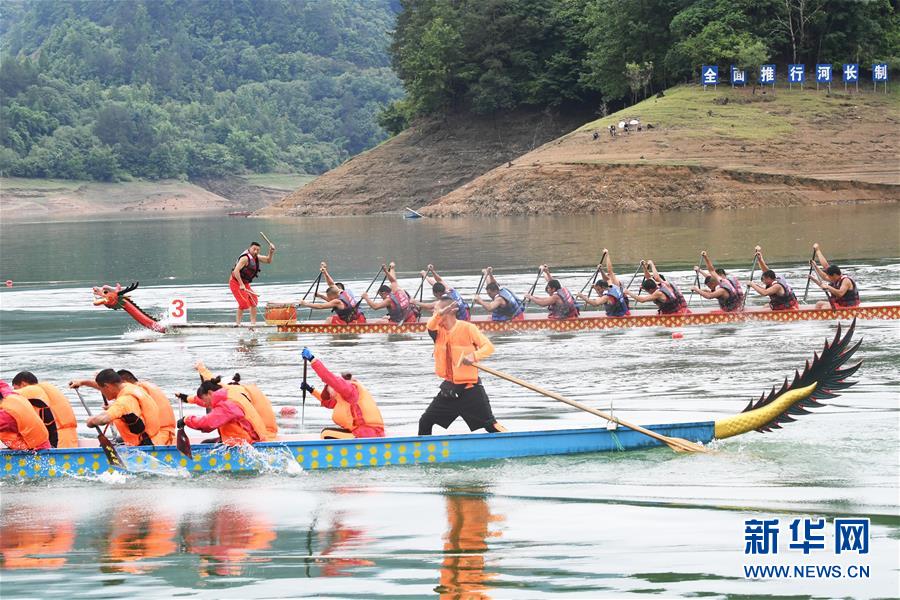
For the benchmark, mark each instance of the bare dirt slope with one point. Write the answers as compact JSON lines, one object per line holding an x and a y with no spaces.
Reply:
{"x":423,"y":163}
{"x":707,"y":149}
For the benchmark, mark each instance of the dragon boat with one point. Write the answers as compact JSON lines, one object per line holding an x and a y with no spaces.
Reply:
{"x":822,"y":378}
{"x":283,"y":317}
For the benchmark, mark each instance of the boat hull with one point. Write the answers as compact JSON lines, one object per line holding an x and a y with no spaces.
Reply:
{"x":535,"y":323}
{"x":292,"y":456}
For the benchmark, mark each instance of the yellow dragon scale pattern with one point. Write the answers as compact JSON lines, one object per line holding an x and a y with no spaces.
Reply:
{"x":754,"y":419}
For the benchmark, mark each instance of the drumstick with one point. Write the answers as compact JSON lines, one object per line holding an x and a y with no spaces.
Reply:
{"x":268,"y":241}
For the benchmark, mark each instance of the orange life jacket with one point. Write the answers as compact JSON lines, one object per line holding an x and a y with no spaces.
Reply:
{"x":145,"y":415}
{"x":32,"y":431}
{"x":344,"y":418}
{"x":166,"y":435}
{"x":56,"y":413}
{"x":450,"y":346}
{"x":263,"y":407}
{"x":233,"y":433}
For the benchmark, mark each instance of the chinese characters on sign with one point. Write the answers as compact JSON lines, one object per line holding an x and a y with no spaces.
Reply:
{"x":796,"y":74}
{"x":710,"y":75}
{"x":738,"y":76}
{"x":806,"y":535}
{"x":767,"y":75}
{"x":879,"y":75}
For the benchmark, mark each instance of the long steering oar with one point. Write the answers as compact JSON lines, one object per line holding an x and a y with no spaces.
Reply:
{"x":752,"y":273}
{"x":811,"y":266}
{"x":112,"y":455}
{"x":676,"y":444}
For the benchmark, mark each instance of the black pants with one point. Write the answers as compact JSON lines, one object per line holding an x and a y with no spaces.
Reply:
{"x":453,"y":401}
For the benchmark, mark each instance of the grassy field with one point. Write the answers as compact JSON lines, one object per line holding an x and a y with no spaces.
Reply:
{"x":746,"y":116}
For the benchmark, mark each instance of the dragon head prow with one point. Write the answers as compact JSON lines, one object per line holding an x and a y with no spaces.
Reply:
{"x":111,"y":297}
{"x":823,"y":378}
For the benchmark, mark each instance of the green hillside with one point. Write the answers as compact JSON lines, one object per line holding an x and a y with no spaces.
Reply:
{"x":106,"y":90}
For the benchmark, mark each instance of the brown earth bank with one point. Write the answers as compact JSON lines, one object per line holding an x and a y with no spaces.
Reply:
{"x":425,"y":162}
{"x":706,"y":149}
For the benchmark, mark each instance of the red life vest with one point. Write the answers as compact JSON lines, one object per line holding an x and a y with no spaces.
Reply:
{"x":785,"y":301}
{"x":733,"y":302}
{"x":851,"y":298}
{"x":565,"y":309}
{"x":400,"y":307}
{"x":674,"y":301}
{"x":349,"y":312}
{"x":251,"y":270}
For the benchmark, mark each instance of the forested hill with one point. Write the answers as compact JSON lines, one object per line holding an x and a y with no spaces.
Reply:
{"x":107,"y":89}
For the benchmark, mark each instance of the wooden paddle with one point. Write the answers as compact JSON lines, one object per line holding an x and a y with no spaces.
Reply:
{"x":181,"y":438}
{"x":112,"y":455}
{"x":315,"y":294}
{"x":806,"y":292}
{"x":268,"y":241}
{"x":371,"y":283}
{"x":533,"y":287}
{"x":315,"y":283}
{"x":696,"y":283}
{"x":303,"y":401}
{"x":752,"y":273}
{"x":676,"y":444}
{"x":589,"y":285}
{"x":633,"y":277}
{"x":478,"y":288}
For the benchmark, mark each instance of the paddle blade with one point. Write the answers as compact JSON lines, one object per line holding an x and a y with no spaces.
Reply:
{"x":682,"y":445}
{"x":183,"y":443}
{"x":112,"y":456}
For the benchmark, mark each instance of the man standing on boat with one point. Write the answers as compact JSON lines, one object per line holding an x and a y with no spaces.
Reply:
{"x":395,"y":299}
{"x":775,"y":287}
{"x":340,"y":300}
{"x":841,"y":289}
{"x":440,"y":289}
{"x":725,"y":290}
{"x":559,"y":301}
{"x":457,"y":346}
{"x":354,"y":410}
{"x":245,"y":270}
{"x":504,"y":305}
{"x":610,"y":294}
{"x":668,"y":298}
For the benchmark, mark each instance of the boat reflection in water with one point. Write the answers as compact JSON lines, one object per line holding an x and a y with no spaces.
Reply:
{"x":136,"y":537}
{"x":469,"y":518}
{"x":226,"y":538}
{"x":31,"y":539}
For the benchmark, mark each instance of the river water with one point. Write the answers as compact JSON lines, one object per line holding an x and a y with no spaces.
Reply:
{"x":636,"y":524}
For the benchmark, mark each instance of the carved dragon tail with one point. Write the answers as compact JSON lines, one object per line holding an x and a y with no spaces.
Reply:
{"x":823,"y":378}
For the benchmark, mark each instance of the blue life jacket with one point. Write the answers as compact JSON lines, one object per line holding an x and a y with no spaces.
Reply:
{"x":512,"y":309}
{"x":462,"y":307}
{"x":618,"y":307}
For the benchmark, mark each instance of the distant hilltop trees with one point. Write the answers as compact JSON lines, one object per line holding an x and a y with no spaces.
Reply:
{"x":485,"y":56}
{"x":107,"y":89}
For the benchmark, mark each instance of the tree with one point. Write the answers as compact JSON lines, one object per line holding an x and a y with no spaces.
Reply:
{"x":638,"y":76}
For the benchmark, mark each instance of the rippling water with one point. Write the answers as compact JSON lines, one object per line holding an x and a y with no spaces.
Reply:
{"x":638,"y":523}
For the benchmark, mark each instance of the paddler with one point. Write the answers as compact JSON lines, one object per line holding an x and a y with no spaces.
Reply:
{"x":51,"y":406}
{"x":230,"y":412}
{"x":440,"y":289}
{"x":354,"y":410}
{"x":723,"y":289}
{"x":20,"y":426}
{"x":668,"y":298}
{"x":132,"y":410}
{"x":610,"y":294}
{"x":395,"y":299}
{"x":503,"y":304}
{"x":779,"y":291}
{"x":341,"y":301}
{"x":841,"y":289}
{"x":164,"y":408}
{"x":559,"y":300}
{"x":245,"y":270}
{"x":457,"y":346}
{"x":250,"y":392}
